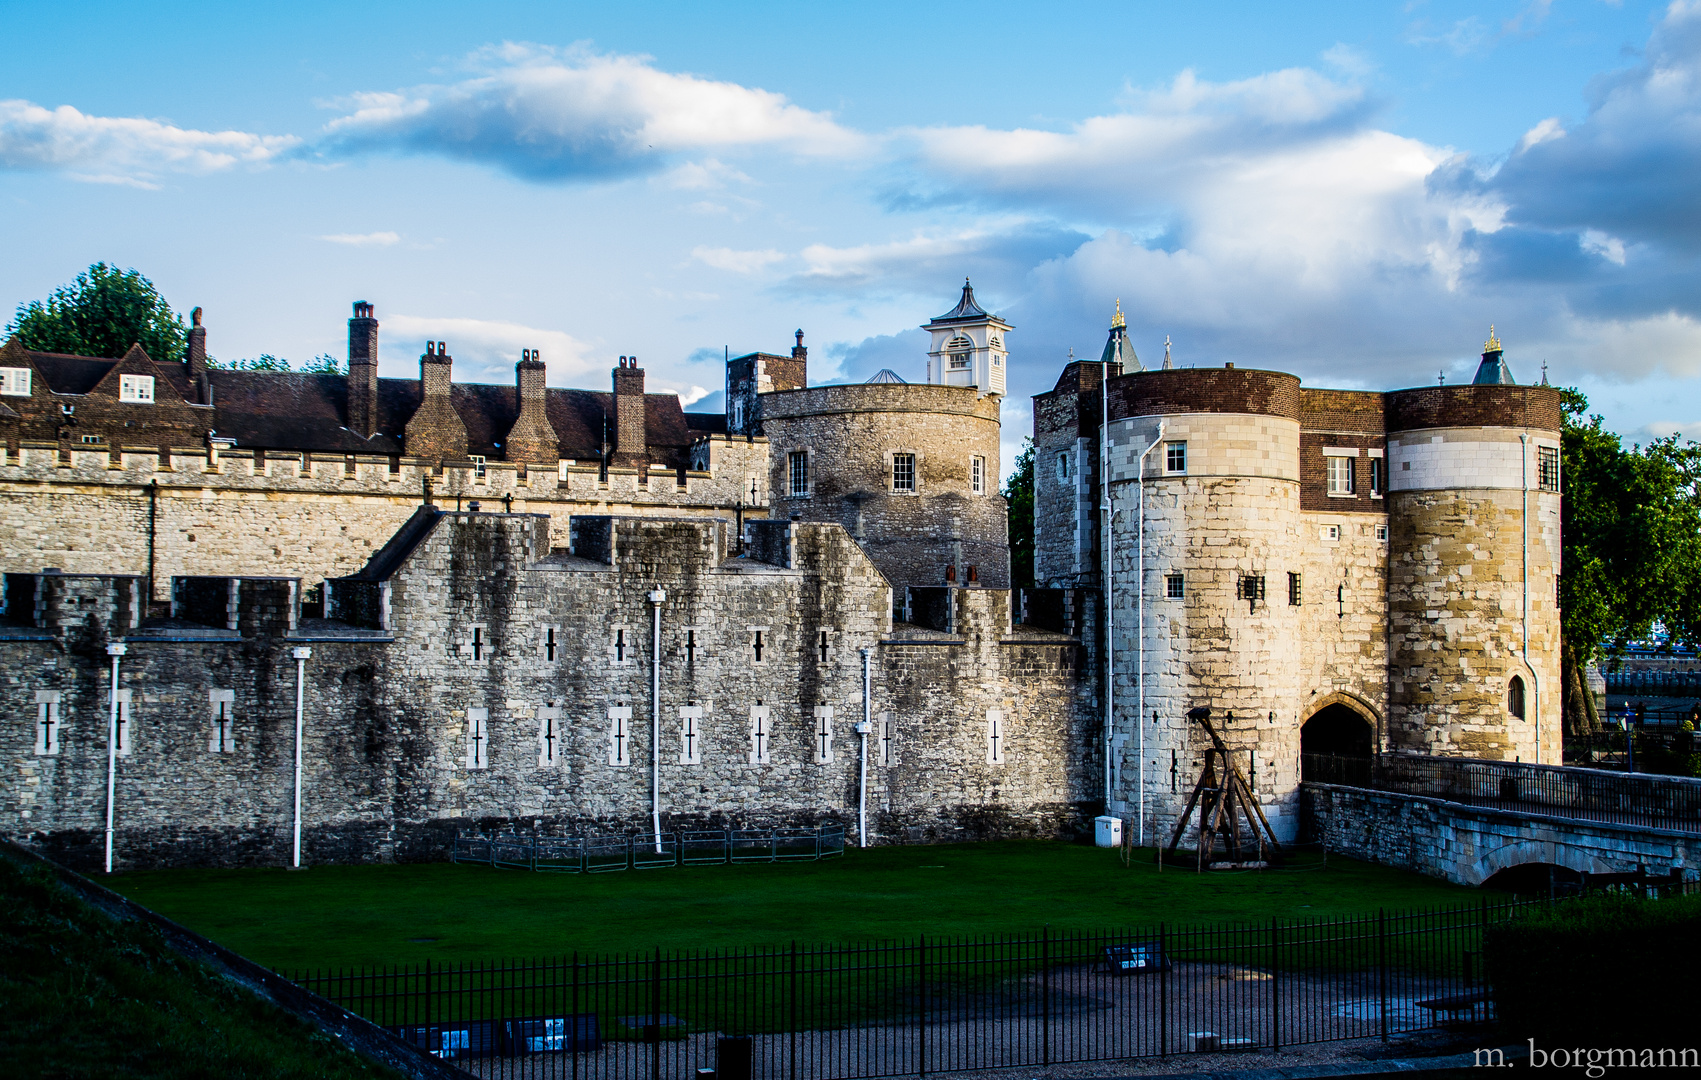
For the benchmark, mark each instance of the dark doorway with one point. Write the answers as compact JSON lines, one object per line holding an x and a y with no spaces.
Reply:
{"x":1537,"y":879}
{"x":1335,"y":747}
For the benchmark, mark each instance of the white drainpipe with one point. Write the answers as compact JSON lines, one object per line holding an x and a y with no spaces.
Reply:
{"x":656,"y":596}
{"x":863,"y":729}
{"x":1140,"y":686}
{"x":114,"y":650}
{"x":301,"y":654}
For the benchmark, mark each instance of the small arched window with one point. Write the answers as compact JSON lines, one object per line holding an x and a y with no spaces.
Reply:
{"x":1515,"y":696}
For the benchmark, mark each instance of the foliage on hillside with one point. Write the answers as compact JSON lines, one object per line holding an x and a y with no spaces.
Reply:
{"x":84,"y":995}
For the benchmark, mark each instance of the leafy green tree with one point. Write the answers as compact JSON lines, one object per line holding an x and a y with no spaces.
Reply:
{"x":102,"y":313}
{"x":1632,"y":523}
{"x":1019,"y":494}
{"x":324,"y":364}
{"x":264,"y":362}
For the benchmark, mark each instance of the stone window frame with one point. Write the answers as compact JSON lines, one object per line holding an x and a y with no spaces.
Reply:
{"x":1515,"y":697}
{"x":1175,"y":457}
{"x":1175,"y":587}
{"x":737,"y":417}
{"x":1378,"y":472}
{"x":620,"y":645}
{"x":136,"y":389}
{"x":995,"y":736}
{"x":1063,"y":465}
{"x":477,"y":737}
{"x":15,"y":381}
{"x":798,"y":468}
{"x":476,"y":647}
{"x":49,"y":723}
{"x":822,"y":743}
{"x":549,"y":734}
{"x":1296,"y":589}
{"x":221,"y":708}
{"x":1340,"y":469}
{"x":619,"y":736}
{"x":915,"y":461}
{"x":977,"y":473}
{"x":546,"y":643}
{"x":760,"y":642}
{"x":1329,"y":534}
{"x":690,"y":734}
{"x":761,"y":733}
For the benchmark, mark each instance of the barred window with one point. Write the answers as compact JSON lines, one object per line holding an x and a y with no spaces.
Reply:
{"x":1547,"y":467}
{"x":1340,"y":475}
{"x":1175,"y":587}
{"x":1175,"y":457}
{"x":1294,"y":594}
{"x":797,"y":467}
{"x":903,"y":472}
{"x":977,"y":474}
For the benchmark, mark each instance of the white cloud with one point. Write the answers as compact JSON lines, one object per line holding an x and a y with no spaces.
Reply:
{"x":559,"y":114}
{"x":737,"y":262}
{"x":123,"y":150}
{"x":705,"y":175}
{"x":487,"y":350}
{"x":371,"y":239}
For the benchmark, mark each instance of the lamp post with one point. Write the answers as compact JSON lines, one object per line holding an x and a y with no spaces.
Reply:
{"x":115,"y":650}
{"x":301,"y":654}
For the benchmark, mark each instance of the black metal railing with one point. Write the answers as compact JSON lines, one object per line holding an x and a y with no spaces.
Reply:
{"x":649,"y":851}
{"x":932,"y":1005}
{"x":1641,"y":799}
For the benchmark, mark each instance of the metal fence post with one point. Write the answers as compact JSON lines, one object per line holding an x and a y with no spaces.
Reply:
{"x":921,"y":966}
{"x":654,"y":1031}
{"x":1163,"y":991}
{"x":1275,"y":990}
{"x":1382,"y":967}
{"x":573,"y":1046}
{"x":793,"y":1024}
{"x":1045,"y":991}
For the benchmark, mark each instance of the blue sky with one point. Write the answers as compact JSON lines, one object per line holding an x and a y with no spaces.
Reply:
{"x":1349,"y":191}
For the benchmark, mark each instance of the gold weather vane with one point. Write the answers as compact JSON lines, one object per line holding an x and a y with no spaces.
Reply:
{"x":1117,"y":321}
{"x":1493,"y":343}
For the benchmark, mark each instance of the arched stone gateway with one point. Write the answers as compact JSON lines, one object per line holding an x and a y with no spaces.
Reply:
{"x":1338,"y":732}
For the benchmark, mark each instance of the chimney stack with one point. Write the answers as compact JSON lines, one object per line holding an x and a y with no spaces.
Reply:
{"x":435,"y":431}
{"x":196,"y":357}
{"x":532,"y":439}
{"x":363,"y":371}
{"x":631,"y":441}
{"x":799,"y":352}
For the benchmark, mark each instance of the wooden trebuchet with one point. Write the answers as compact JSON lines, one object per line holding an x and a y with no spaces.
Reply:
{"x":1227,"y":807}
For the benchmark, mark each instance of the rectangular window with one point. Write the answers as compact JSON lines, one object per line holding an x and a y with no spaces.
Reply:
{"x":1252,"y":589}
{"x":1340,"y":475}
{"x":691,"y":735}
{"x":548,"y":735}
{"x":477,"y":645}
{"x":1381,"y":532}
{"x":1175,"y":587}
{"x":1063,"y":466}
{"x":478,"y":735}
{"x":47,"y":723}
{"x":550,"y":646}
{"x":123,"y":741}
{"x":620,"y":646}
{"x":15,"y":381}
{"x":620,"y":735}
{"x":888,"y":747}
{"x":1547,"y":467}
{"x":761,"y":734}
{"x":1294,"y":595}
{"x":823,"y":734}
{"x":1378,"y":474}
{"x":1330,"y":533}
{"x":92,"y":440}
{"x":903,"y":472}
{"x":478,"y":461}
{"x":823,"y":645}
{"x":758,"y":643}
{"x":994,"y":737}
{"x":1175,"y":458}
{"x":222,"y":739}
{"x":139,"y":388}
{"x":797,"y":469}
{"x":351,"y":468}
{"x":977,"y":474}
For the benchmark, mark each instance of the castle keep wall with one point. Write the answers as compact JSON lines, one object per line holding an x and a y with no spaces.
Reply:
{"x":512,"y":690}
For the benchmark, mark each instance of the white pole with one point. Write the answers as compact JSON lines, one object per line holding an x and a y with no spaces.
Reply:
{"x":1109,"y":580}
{"x":114,"y":650}
{"x":656,"y":596}
{"x":863,"y":729}
{"x":1140,"y":685}
{"x":301,"y":653}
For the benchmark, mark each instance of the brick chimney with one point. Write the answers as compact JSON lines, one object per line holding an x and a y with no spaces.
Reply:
{"x":800,"y":353}
{"x":195,"y":357}
{"x":631,"y":443}
{"x":363,"y":371}
{"x":531,"y":439}
{"x":435,"y":430}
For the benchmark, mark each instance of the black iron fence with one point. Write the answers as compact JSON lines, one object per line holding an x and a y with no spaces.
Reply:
{"x":1663,"y":802}
{"x":933,"y":1006}
{"x":649,"y":851}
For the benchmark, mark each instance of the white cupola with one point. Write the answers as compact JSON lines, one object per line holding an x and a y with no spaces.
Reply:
{"x":968,"y":347}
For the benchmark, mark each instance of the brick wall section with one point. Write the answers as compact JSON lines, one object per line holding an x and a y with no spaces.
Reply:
{"x":435,"y":431}
{"x":850,"y":434}
{"x":531,"y":439}
{"x":363,"y":372}
{"x":630,"y":444}
{"x":1536,"y":407}
{"x":386,"y":774}
{"x":1185,"y":390}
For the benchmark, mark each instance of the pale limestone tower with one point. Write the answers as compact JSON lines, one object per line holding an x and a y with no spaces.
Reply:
{"x":968,"y":347}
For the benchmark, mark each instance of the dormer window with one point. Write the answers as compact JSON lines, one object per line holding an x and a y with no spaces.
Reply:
{"x":15,"y":381}
{"x":137,"y":388}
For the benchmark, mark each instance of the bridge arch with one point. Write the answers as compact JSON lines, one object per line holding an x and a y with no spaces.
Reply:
{"x":1528,"y":852}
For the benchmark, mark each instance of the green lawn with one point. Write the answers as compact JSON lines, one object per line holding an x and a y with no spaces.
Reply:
{"x":360,"y":915}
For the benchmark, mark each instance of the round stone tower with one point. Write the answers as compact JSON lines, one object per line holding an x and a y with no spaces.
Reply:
{"x":911,"y":472}
{"x":1474,"y":505}
{"x":1222,"y":525}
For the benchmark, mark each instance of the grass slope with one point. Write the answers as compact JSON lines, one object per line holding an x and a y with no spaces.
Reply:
{"x":358,"y":915}
{"x":84,"y":995}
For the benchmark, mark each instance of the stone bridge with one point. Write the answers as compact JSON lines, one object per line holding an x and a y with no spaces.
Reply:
{"x":1467,"y":821}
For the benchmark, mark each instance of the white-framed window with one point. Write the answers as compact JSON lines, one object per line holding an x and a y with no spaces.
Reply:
{"x":977,"y":474}
{"x":222,"y":738}
{"x":123,"y":733}
{"x":1175,"y":587}
{"x":137,"y":388}
{"x":738,"y":415}
{"x":1340,"y":471}
{"x":888,"y":735}
{"x":478,"y":461}
{"x":1378,"y":473}
{"x":620,"y":735}
{"x":797,"y":473}
{"x":478,"y":738}
{"x":15,"y":381}
{"x":1381,"y":532}
{"x":1175,"y":458}
{"x":47,"y":723}
{"x":1331,"y":534}
{"x":994,"y":737}
{"x":823,"y":734}
{"x":548,"y":735}
{"x":761,"y":733}
{"x":691,"y":735}
{"x":961,"y":352}
{"x":96,"y":440}
{"x":1547,"y":468}
{"x":903,"y":472}
{"x":620,"y":646}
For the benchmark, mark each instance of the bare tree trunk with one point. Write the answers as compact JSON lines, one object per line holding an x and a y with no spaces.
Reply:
{"x":1578,"y":710}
